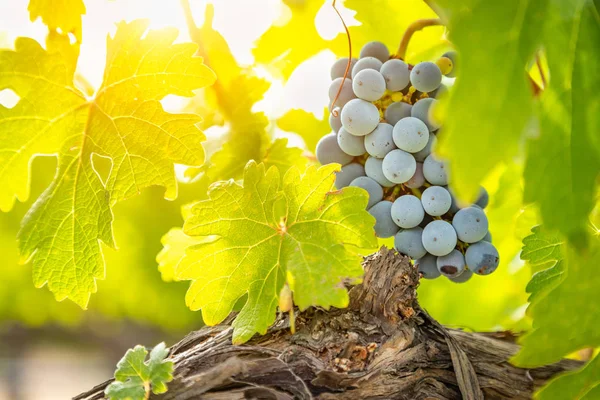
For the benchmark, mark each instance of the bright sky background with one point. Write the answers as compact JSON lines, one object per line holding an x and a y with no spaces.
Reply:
{"x":241,"y":22}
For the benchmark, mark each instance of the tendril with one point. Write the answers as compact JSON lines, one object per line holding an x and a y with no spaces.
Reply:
{"x":333,"y":110}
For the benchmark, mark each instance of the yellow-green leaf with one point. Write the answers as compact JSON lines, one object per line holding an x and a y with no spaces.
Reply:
{"x":264,"y":234}
{"x":124,"y":121}
{"x":304,"y":123}
{"x":62,"y":14}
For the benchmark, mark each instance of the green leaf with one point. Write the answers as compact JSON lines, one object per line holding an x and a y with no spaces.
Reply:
{"x":491,"y":100}
{"x":135,"y":376}
{"x":304,"y":123}
{"x":64,"y":14}
{"x":574,"y":385}
{"x":563,"y":164}
{"x":123,"y":122}
{"x":565,"y":318}
{"x":264,"y":234}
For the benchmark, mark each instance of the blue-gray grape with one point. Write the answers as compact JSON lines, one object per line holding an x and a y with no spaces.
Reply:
{"x":471,"y":224}
{"x":483,"y":199}
{"x":350,"y":144}
{"x":396,"y":74}
{"x":399,"y":166}
{"x":452,"y":264}
{"x":328,"y":151}
{"x":380,"y":142}
{"x":436,"y":201}
{"x":366,"y":63}
{"x":482,"y":258}
{"x":452,"y":55}
{"x":369,"y":85}
{"x":487,"y":237}
{"x":335,"y":121}
{"x":407,"y":211}
{"x":373,"y":169}
{"x":396,"y":111}
{"x":409,"y":242}
{"x":427,"y":265}
{"x":421,"y":155}
{"x":426,"y":76}
{"x":422,"y":110}
{"x":346,"y":94}
{"x":348,"y":174}
{"x":339,"y":67}
{"x":462,"y":278}
{"x":373,"y":188}
{"x":410,"y":134}
{"x":439,"y":238}
{"x":435,"y":171}
{"x":384,"y":226}
{"x":418,"y":179}
{"x":360,"y":117}
{"x":375,"y":49}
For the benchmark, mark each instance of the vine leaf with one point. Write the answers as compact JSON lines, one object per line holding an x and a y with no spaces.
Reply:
{"x":266,"y":233}
{"x":501,"y":94}
{"x":135,"y":376}
{"x":584,"y":384}
{"x":567,"y":149}
{"x":124,"y":122}
{"x":64,"y":15}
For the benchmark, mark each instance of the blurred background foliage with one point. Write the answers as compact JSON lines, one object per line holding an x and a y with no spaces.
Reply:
{"x":269,"y":104}
{"x":254,"y":111}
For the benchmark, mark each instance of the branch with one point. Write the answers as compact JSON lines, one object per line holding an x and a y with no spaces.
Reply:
{"x":412,"y":28}
{"x":383,"y":344}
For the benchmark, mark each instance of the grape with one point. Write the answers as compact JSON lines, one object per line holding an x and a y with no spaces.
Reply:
{"x":426,"y":76}
{"x":368,"y":85}
{"x":455,"y":206}
{"x":399,"y":166}
{"x":462,"y":278}
{"x":436,"y":201}
{"x":439,"y":238}
{"x":396,"y":74}
{"x":426,"y":220}
{"x":483,"y":199}
{"x":482,"y":258}
{"x":346,"y":94}
{"x":384,"y":226}
{"x":435,"y":171}
{"x":407,"y":211}
{"x":373,"y":169}
{"x":411,"y":134}
{"x":427,"y":266}
{"x":366,"y":63}
{"x":439,"y":92}
{"x":328,"y":151}
{"x":452,"y":264}
{"x":422,"y":110}
{"x":348,"y":174}
{"x":487,"y":237}
{"x":339,"y":67}
{"x":350,"y":144}
{"x":373,"y":189}
{"x":375,"y":49}
{"x":396,"y":111}
{"x":409,"y":242}
{"x":452,"y":55}
{"x":380,"y":142}
{"x":421,"y":155}
{"x":418,"y":179}
{"x":360,"y":117}
{"x":335,"y":122}
{"x":471,"y":224}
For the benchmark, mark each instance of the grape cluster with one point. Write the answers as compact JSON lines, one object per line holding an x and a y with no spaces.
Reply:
{"x":383,"y":136}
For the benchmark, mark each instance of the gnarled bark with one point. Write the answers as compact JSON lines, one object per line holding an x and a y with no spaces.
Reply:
{"x":383,"y":346}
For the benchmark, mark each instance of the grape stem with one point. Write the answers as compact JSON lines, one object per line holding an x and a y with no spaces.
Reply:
{"x":337,"y":95}
{"x":412,"y":28}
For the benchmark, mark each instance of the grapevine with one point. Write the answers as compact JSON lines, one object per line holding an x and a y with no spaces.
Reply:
{"x":384,"y":133}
